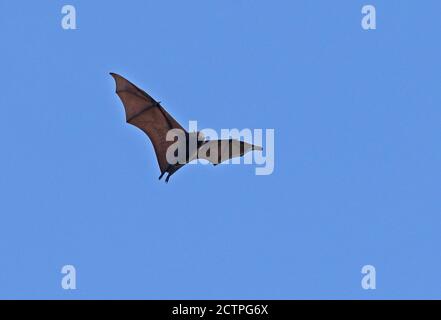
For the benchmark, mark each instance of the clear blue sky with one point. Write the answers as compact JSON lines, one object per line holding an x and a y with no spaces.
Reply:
{"x":357,"y":173}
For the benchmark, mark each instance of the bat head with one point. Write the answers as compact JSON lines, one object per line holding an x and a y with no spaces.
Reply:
{"x":201,"y":136}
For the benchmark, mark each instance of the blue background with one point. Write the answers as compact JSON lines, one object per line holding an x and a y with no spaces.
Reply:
{"x":357,"y":171}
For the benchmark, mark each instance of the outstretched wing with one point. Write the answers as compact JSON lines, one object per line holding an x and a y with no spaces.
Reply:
{"x":218,"y":151}
{"x":148,"y":115}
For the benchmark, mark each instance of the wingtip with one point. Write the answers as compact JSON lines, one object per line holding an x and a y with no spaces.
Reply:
{"x":116,"y":76}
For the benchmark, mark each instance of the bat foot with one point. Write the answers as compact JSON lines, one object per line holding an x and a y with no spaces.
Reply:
{"x":166,"y":179}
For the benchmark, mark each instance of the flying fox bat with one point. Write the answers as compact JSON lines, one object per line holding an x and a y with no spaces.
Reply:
{"x":147,"y":114}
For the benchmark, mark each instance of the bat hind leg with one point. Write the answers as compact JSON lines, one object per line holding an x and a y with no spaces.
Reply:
{"x":166,"y":171}
{"x":170,"y":173}
{"x":170,"y":170}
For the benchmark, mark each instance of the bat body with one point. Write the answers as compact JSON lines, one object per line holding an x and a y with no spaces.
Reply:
{"x":147,"y":114}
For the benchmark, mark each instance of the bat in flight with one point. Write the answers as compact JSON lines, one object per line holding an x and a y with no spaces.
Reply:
{"x":147,"y":114}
